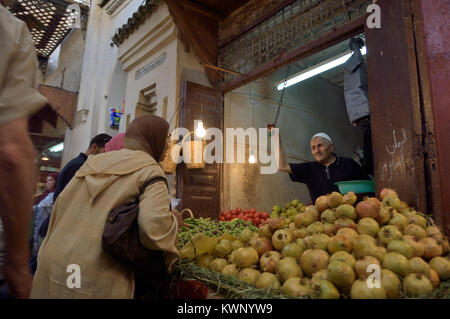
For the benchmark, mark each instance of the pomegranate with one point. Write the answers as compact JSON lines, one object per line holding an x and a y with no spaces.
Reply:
{"x":402,"y":247}
{"x":300,"y":233}
{"x":320,"y":275}
{"x":263,"y":245}
{"x":402,"y":207}
{"x":384,"y":216}
{"x":322,"y":203}
{"x":417,"y":265}
{"x":395,"y":262}
{"x":246,"y":235}
{"x":415,"y":245}
{"x":269,"y":261}
{"x":320,"y":241}
{"x":431,"y":248}
{"x":368,"y":226}
{"x":301,"y":243}
{"x":265,"y":231}
{"x":416,"y":231}
{"x":293,"y":250}
{"x":230,"y":270}
{"x":433,"y":230}
{"x":434,"y":278}
{"x":344,"y":223}
{"x":223,"y":248}
{"x":362,"y":264}
{"x":350,"y":198}
{"x":313,"y":260}
{"x":391,"y":283}
{"x":360,"y":290}
{"x":249,"y":275}
{"x":218,"y":264}
{"x":418,"y":220}
{"x":391,"y":201}
{"x":409,"y":214}
{"x":335,"y":199}
{"x":398,"y":220}
{"x":230,"y":257}
{"x":389,"y":233}
{"x":276,"y":223}
{"x":323,"y":289}
{"x":268,"y":280}
{"x":281,"y":238}
{"x":329,"y":229}
{"x":338,"y":243}
{"x":252,"y":242}
{"x":303,"y":220}
{"x":415,"y":285}
{"x":312,"y":210}
{"x":288,"y":269}
{"x":294,"y":288}
{"x":388,"y":192}
{"x":347,"y":232}
{"x":204,"y":260}
{"x":328,"y":216}
{"x":236,"y":244}
{"x":364,"y":245}
{"x":344,"y":257}
{"x":379,"y":253}
{"x":442,"y":266}
{"x":308,"y":242}
{"x":246,"y":257}
{"x":340,"y":274}
{"x":315,"y":228}
{"x":368,"y":208}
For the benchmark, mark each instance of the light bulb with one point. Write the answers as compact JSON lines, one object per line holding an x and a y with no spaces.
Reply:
{"x":200,"y":131}
{"x":252,"y":159}
{"x":45,"y":158}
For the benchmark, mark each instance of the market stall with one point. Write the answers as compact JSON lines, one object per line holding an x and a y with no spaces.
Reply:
{"x":341,"y":247}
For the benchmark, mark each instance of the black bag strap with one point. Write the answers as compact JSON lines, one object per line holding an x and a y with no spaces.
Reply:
{"x":152,"y":181}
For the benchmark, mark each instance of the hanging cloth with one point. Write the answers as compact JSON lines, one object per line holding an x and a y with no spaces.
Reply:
{"x":356,"y":87}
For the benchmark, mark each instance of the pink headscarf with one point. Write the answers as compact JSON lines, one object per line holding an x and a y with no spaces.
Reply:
{"x":116,"y":143}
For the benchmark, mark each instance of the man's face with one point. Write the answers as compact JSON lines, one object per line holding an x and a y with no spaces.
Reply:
{"x":321,"y":149}
{"x":50,"y":183}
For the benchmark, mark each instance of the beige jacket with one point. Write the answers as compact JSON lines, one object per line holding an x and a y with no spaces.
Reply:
{"x":18,"y":70}
{"x":75,"y":231}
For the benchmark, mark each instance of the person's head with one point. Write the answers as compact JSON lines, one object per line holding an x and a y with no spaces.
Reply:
{"x":50,"y":181}
{"x":97,"y":144}
{"x":148,"y":133}
{"x":322,"y":147}
{"x":116,"y":143}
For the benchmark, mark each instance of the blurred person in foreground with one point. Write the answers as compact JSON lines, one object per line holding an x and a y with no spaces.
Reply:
{"x":19,"y":99}
{"x":76,"y":226}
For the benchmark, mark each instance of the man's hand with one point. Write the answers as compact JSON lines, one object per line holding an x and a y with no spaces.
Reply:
{"x":19,"y":279}
{"x":179,"y":219}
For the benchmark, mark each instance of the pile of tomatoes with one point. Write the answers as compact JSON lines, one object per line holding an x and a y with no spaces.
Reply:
{"x":249,"y":215}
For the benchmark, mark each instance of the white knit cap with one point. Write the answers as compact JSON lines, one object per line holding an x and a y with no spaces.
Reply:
{"x":324,"y":136}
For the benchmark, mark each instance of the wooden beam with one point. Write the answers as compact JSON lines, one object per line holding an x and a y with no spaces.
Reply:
{"x":221,"y":69}
{"x":347,"y":31}
{"x":200,"y":9}
{"x":257,"y":22}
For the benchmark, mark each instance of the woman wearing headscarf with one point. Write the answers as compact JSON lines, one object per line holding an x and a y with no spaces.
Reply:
{"x":76,"y":226}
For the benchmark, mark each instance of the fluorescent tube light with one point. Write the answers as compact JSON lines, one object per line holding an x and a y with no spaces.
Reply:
{"x":57,"y":148}
{"x":317,"y":69}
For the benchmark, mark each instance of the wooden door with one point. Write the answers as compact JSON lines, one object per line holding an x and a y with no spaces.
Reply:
{"x":395,"y":106}
{"x":199,"y":189}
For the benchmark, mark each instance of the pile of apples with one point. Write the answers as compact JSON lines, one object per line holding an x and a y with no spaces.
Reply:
{"x":249,"y":215}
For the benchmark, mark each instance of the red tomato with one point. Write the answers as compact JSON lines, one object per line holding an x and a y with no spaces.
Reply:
{"x":246,"y":211}
{"x":265,"y":215}
{"x":221,"y":218}
{"x":252,"y":210}
{"x":231,"y":212}
{"x":257,"y":220}
{"x":238,"y":210}
{"x":223,"y":212}
{"x":240,"y":216}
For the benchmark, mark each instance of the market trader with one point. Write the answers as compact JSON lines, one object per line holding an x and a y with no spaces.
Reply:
{"x":320,"y":176}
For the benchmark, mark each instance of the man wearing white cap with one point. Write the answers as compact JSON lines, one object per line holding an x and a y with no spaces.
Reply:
{"x":321,"y":176}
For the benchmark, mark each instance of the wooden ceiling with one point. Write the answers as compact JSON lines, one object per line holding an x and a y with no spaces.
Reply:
{"x":220,"y":8}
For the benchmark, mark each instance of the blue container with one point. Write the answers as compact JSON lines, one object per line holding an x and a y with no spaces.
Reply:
{"x":358,"y":187}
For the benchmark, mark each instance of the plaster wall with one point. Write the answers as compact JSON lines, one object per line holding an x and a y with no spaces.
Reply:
{"x":309,"y":107}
